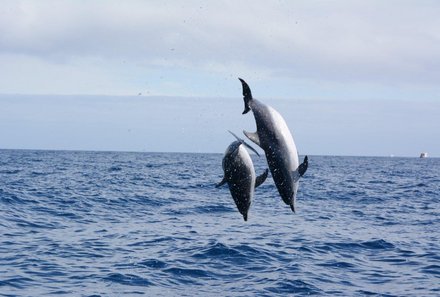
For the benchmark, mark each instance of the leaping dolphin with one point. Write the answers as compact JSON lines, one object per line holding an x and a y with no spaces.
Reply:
{"x":239,"y":174}
{"x":274,"y":137}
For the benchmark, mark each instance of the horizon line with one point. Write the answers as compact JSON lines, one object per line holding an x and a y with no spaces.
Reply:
{"x":190,"y":152}
{"x":195,"y":96}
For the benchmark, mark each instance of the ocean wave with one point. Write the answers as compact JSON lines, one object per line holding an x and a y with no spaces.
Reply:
{"x":127,"y":279}
{"x":124,"y":224}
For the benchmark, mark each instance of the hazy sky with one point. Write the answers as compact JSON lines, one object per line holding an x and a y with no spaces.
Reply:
{"x":372,"y":61}
{"x":192,"y":124}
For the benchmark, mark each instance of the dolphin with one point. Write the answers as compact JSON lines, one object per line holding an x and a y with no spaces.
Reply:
{"x":274,"y":137}
{"x":239,"y":174}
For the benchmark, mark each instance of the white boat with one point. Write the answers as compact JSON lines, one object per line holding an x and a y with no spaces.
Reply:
{"x":423,"y":155}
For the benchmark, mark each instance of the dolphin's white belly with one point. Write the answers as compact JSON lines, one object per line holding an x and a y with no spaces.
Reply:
{"x":247,"y":171}
{"x":276,"y":137}
{"x":284,"y":135}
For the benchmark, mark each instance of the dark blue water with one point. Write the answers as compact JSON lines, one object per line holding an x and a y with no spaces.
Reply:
{"x":113,"y":224}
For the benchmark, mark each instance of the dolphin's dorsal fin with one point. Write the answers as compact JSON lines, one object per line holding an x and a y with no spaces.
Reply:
{"x":253,"y":137}
{"x":302,"y":168}
{"x":260,"y":179}
{"x":224,"y":180}
{"x":247,"y":95}
{"x":244,"y":143}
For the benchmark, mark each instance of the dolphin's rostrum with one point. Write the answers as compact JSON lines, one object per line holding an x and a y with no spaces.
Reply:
{"x":274,"y":137}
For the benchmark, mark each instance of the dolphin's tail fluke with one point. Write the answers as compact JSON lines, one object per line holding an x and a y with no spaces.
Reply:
{"x":247,"y":95}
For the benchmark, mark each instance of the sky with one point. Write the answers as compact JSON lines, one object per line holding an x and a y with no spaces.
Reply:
{"x":350,"y":77}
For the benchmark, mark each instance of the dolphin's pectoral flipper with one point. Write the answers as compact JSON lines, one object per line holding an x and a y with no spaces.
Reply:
{"x":303,"y":167}
{"x":295,"y":176}
{"x":247,"y":95}
{"x":260,"y":179}
{"x":253,"y":137}
{"x":224,"y":180}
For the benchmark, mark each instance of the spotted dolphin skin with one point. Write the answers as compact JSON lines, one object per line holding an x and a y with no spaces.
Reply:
{"x":239,"y":174}
{"x":274,"y":137}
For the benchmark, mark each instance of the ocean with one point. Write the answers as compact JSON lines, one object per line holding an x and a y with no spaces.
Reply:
{"x":78,"y":223}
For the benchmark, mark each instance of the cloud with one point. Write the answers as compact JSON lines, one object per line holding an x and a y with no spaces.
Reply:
{"x":392,"y":42}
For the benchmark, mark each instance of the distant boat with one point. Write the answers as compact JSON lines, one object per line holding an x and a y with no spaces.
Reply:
{"x":423,"y":155}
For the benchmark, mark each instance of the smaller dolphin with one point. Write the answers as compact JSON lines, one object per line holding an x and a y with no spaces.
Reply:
{"x":239,"y":174}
